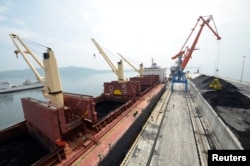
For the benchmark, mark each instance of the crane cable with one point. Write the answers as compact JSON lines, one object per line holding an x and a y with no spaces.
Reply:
{"x":108,"y":53}
{"x":35,"y":45}
{"x":217,"y":64}
{"x":218,"y":52}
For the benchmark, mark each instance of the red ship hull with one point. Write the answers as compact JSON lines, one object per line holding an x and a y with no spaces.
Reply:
{"x":88,"y":130}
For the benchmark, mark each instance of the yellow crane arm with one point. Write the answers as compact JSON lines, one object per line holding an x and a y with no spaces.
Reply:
{"x":15,"y":39}
{"x":140,"y":70}
{"x":119,"y":71}
{"x":52,"y":83}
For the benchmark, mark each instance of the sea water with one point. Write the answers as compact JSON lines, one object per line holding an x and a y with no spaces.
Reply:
{"x":87,"y":83}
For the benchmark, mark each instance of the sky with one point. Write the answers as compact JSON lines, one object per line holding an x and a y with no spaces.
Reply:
{"x":140,"y":30}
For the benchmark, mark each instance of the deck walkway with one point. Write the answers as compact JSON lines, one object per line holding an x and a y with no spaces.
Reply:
{"x":175,"y":144}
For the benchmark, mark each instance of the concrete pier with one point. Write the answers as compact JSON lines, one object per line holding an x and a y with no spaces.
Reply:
{"x":167,"y":138}
{"x":179,"y":133}
{"x":176,"y":143}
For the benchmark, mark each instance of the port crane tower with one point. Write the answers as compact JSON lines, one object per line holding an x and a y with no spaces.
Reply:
{"x":185,"y":52}
{"x":140,"y":71}
{"x":118,"y":71}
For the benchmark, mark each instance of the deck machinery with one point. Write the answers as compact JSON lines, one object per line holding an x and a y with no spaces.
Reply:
{"x":68,"y":125}
{"x":185,"y":53}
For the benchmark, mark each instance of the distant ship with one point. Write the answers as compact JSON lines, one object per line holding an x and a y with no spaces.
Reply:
{"x":7,"y":87}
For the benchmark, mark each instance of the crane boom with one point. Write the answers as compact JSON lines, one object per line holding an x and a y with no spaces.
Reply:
{"x":52,"y":83}
{"x":185,"y":52}
{"x":119,"y":71}
{"x":16,"y":39}
{"x":140,"y":70}
{"x":190,"y":50}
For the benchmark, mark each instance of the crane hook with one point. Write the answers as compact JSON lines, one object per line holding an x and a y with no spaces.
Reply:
{"x":16,"y":52}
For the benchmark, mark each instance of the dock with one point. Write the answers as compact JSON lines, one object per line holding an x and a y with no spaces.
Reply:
{"x":167,"y":138}
{"x":179,"y":133}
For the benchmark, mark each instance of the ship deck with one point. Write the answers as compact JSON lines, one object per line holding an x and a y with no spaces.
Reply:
{"x":112,"y":138}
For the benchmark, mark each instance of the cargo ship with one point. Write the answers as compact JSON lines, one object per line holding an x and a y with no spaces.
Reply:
{"x":77,"y":129}
{"x":7,"y":87}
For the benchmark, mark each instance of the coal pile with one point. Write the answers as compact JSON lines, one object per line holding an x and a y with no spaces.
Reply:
{"x":104,"y":108}
{"x":228,"y":96}
{"x":232,"y":106}
{"x":203,"y":81}
{"x":227,"y":99}
{"x":23,"y":151}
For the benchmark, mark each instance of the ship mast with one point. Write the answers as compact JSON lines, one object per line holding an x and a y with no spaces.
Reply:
{"x":52,"y":83}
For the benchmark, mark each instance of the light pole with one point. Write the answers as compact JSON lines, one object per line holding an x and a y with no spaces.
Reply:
{"x":242,"y":68}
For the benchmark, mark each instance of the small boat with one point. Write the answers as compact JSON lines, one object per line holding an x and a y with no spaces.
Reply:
{"x":7,"y":87}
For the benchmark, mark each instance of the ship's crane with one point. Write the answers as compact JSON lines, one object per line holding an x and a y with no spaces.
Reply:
{"x":140,"y":70}
{"x":185,"y":52}
{"x":52,"y":83}
{"x":118,"y":71}
{"x":65,"y":115}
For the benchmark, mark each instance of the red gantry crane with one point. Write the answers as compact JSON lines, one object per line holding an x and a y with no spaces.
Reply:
{"x":185,"y":52}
